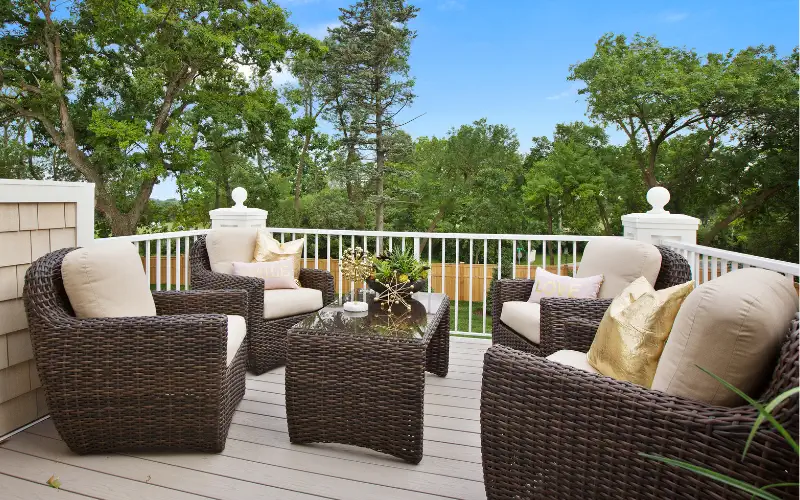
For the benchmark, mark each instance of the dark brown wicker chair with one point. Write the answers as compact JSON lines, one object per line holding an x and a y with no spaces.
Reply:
{"x":553,"y":431}
{"x":556,"y":311}
{"x":266,"y":337}
{"x":147,"y":383}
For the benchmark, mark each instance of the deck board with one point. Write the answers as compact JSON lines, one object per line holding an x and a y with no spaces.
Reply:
{"x":260,"y":462}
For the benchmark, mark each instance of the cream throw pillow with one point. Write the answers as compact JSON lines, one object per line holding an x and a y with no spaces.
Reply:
{"x":548,"y":284}
{"x":268,"y":249}
{"x":634,"y":329}
{"x":276,"y":275}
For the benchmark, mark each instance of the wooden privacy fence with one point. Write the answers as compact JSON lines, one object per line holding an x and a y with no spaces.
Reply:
{"x":477,"y":283}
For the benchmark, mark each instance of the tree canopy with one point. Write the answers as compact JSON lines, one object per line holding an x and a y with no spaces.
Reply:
{"x":126,"y":94}
{"x":133,"y":90}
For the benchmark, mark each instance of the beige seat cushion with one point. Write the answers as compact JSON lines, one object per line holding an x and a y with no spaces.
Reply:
{"x":237,"y":329}
{"x":107,"y":280}
{"x":285,"y":303}
{"x":732,"y":326}
{"x":621,"y":261}
{"x":575,"y":359}
{"x":228,"y":245}
{"x":523,"y":318}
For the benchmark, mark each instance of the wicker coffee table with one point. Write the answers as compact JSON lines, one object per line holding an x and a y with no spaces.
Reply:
{"x":359,"y":378}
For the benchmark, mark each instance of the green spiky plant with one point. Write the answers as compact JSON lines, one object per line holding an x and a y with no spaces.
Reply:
{"x":764,"y":414}
{"x":399,"y":265}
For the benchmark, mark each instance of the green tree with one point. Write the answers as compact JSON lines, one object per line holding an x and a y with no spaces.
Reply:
{"x":114,"y":84}
{"x":470,"y":181}
{"x":578,"y":178}
{"x":652,"y":92}
{"x":312,"y":97}
{"x":373,"y":44}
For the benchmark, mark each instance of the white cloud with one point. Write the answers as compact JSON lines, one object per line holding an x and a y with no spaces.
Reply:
{"x":572,"y":90}
{"x":282,"y":77}
{"x":279,"y":77}
{"x":674,"y":17}
{"x":560,"y":95}
{"x":451,"y":5}
{"x":320,"y":31}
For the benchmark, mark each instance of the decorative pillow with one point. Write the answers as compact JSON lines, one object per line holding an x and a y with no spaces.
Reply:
{"x":733,"y":326}
{"x":634,"y":329}
{"x":107,"y":280}
{"x":548,"y":284}
{"x":268,"y":249}
{"x":276,"y":275}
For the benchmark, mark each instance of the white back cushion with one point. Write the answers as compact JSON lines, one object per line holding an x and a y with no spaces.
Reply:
{"x":228,"y":245}
{"x":733,"y":326}
{"x":621,"y":261}
{"x":107,"y":280}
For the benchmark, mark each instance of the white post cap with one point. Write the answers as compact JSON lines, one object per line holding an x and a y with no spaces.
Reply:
{"x":238,"y":215}
{"x":657,"y":197}
{"x":239,"y":194}
{"x":657,"y":224}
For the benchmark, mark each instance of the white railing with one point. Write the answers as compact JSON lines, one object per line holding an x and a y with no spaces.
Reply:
{"x":708,"y":263}
{"x":167,"y":255}
{"x":462,"y":264}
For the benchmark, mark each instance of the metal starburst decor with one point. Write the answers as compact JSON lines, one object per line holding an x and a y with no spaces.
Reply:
{"x":396,"y":292}
{"x":356,"y":264}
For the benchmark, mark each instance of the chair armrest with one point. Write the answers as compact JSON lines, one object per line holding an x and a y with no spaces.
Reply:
{"x":230,"y":302}
{"x":571,"y":434}
{"x":137,"y":355}
{"x":203,"y":279}
{"x":568,"y":323}
{"x":318,"y":279}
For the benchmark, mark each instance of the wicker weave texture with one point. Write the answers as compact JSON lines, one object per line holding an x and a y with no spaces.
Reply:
{"x":556,"y":312}
{"x":266,"y":337}
{"x":157,"y":382}
{"x":363,"y":391}
{"x":552,"y":431}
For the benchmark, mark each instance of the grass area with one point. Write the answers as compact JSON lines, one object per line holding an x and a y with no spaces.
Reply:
{"x":463,"y":317}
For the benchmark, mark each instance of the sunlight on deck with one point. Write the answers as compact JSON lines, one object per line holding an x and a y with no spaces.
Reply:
{"x":259,"y":462}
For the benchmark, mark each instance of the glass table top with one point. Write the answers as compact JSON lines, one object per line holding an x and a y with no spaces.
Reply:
{"x":378,"y":321}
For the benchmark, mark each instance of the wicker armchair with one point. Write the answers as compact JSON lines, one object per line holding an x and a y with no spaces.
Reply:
{"x":556,"y":312}
{"x":266,"y":337}
{"x":148,"y":382}
{"x":553,"y":431}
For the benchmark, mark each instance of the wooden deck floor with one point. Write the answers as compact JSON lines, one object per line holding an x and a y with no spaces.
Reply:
{"x":259,"y":462}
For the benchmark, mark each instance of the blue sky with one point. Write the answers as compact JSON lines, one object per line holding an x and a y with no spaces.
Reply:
{"x":508,"y":60}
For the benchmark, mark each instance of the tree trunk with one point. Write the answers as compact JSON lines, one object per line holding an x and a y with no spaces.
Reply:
{"x":432,"y":228}
{"x":380,"y":158}
{"x":601,"y":209}
{"x":740,"y":210}
{"x":650,"y":172}
{"x":298,"y":178}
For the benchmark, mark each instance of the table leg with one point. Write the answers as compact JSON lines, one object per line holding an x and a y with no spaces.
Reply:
{"x":438,"y":355}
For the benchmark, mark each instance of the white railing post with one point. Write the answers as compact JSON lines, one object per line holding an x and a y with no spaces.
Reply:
{"x":657,"y":224}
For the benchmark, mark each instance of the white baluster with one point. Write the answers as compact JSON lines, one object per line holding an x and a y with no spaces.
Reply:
{"x":158,"y":264}
{"x":485,"y":279}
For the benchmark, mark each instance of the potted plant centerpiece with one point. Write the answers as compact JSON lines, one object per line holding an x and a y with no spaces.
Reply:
{"x":395,"y":276}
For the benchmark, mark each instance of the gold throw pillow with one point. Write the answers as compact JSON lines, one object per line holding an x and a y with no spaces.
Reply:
{"x":268,"y":249}
{"x":634,"y":329}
